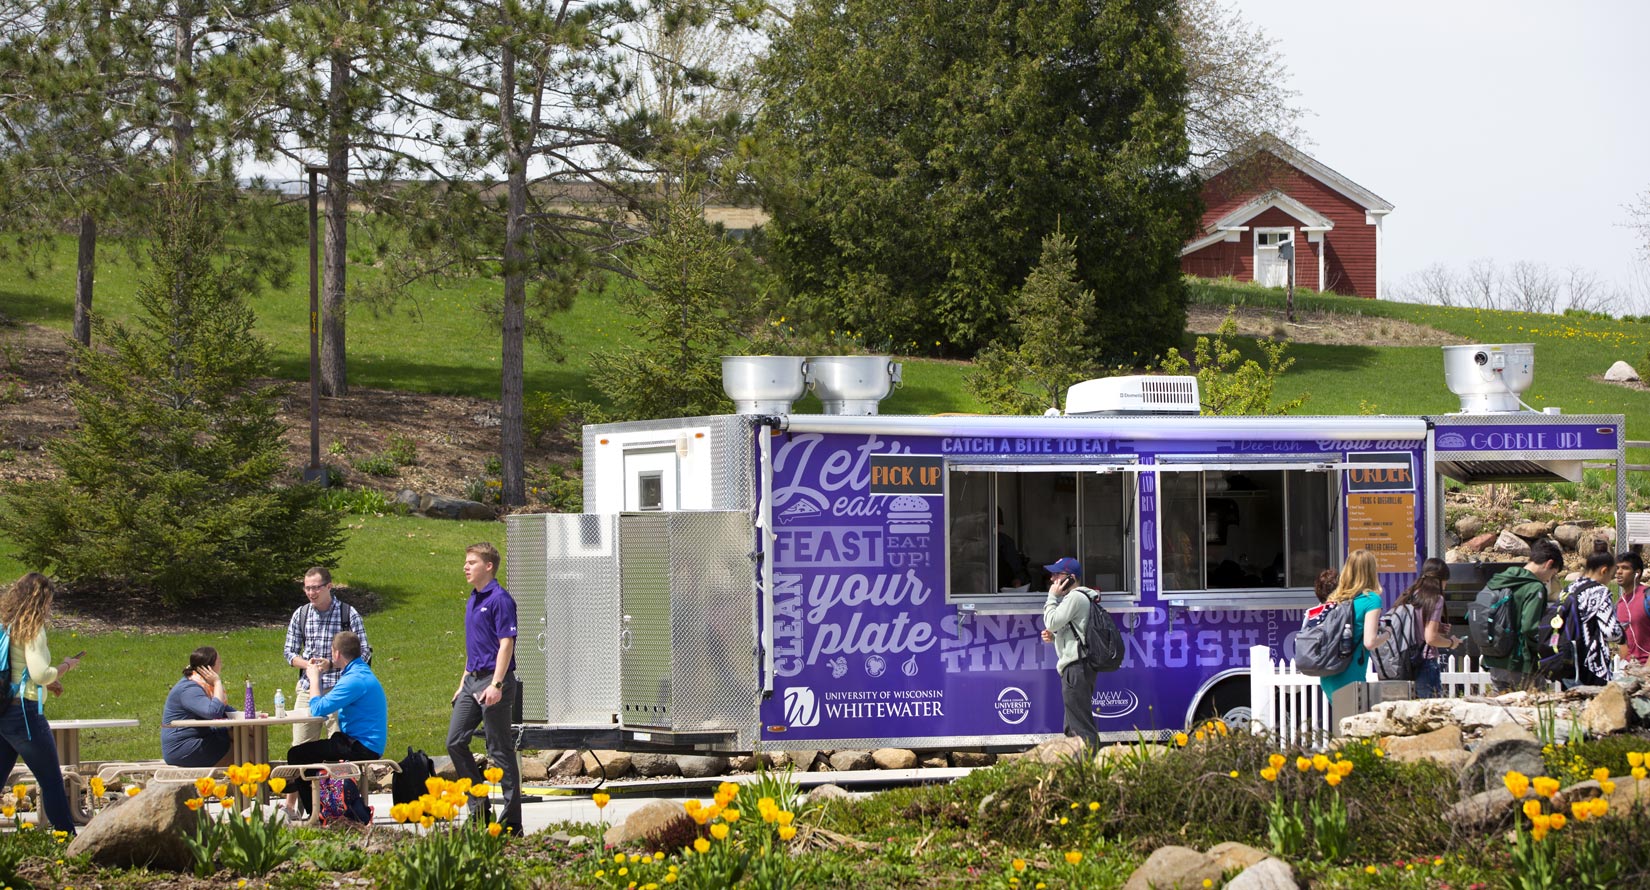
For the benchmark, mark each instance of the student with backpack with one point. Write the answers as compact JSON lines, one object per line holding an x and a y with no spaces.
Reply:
{"x":25,"y":614}
{"x":1359,"y":585}
{"x":1421,"y":609}
{"x":1065,"y":622}
{"x":1576,"y":652}
{"x":1524,"y":591}
{"x":1632,"y":608}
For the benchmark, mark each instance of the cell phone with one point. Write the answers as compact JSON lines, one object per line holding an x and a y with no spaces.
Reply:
{"x":79,"y":655}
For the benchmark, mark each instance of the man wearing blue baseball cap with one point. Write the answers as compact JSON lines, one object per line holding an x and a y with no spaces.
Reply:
{"x":1065,"y":620}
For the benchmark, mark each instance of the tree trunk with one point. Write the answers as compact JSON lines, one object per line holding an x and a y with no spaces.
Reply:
{"x":333,"y":379}
{"x":513,"y":492}
{"x":85,"y":274}
{"x":183,"y":73}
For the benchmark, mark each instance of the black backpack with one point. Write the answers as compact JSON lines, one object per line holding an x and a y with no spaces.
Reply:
{"x":1100,"y":647}
{"x":1492,"y":622}
{"x":1325,"y":649}
{"x":408,"y":785}
{"x":1401,"y":656}
{"x":1559,"y":639}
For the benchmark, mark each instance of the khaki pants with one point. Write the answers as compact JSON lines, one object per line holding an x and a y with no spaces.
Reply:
{"x":309,"y":732}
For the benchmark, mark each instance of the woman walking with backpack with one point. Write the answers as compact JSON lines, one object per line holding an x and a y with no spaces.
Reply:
{"x":1426,"y":598}
{"x":25,"y":613}
{"x":1359,"y":585}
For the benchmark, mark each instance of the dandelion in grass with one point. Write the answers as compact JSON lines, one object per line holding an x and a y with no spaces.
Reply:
{"x":1094,"y":806}
{"x":1019,"y":864}
{"x":1371,"y":870}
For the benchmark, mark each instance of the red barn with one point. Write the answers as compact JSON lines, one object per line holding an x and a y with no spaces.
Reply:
{"x":1258,"y":200}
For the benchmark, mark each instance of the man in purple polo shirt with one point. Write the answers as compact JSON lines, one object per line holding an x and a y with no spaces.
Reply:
{"x":487,"y":690}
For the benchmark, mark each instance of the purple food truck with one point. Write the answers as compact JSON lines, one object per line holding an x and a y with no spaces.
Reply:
{"x":848,"y":579}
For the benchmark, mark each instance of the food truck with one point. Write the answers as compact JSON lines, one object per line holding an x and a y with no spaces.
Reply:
{"x":848,"y":579}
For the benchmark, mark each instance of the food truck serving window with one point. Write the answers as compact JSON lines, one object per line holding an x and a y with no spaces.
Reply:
{"x":1245,"y":529}
{"x":1007,"y":523}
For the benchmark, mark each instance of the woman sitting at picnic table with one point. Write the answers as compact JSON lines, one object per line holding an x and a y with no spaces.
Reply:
{"x":198,"y":696}
{"x":26,"y":613}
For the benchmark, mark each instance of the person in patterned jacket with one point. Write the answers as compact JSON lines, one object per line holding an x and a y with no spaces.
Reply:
{"x":1596,"y":606}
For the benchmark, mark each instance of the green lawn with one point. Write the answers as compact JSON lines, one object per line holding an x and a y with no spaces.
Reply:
{"x":412,"y":565}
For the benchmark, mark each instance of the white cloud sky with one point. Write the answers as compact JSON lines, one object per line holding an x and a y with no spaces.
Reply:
{"x":1509,"y":130}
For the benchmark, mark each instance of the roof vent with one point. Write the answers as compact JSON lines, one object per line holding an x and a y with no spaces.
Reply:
{"x":1140,"y":394}
{"x":764,"y":384}
{"x":1488,"y":377}
{"x":852,"y":384}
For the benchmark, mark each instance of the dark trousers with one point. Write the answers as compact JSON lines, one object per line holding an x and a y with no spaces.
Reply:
{"x":1077,"y":694}
{"x":1429,"y":681}
{"x":330,"y":750}
{"x":25,"y":733}
{"x":501,"y":743}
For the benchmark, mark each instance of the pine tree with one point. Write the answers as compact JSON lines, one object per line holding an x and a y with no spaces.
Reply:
{"x":1048,"y":352}
{"x":171,"y":483}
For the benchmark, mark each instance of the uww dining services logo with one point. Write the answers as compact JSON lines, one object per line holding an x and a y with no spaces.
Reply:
{"x":1114,"y":703}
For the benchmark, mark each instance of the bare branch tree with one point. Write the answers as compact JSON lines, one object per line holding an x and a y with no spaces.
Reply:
{"x":1436,"y":284}
{"x":1482,"y":289}
{"x":1236,"y":81}
{"x":1638,"y":219}
{"x":1584,"y":291}
{"x":1531,"y":287}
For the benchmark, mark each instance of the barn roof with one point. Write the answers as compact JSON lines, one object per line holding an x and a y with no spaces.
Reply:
{"x":1303,"y":162}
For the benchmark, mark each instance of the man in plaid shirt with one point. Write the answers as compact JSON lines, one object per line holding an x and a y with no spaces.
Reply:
{"x":309,"y":641}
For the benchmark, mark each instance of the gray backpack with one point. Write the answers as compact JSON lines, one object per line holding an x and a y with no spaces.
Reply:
{"x":1325,"y":649}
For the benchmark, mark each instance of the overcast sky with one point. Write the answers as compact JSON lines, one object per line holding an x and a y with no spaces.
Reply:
{"x":1509,"y":130}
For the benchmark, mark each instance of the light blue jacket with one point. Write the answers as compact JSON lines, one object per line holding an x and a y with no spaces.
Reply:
{"x":1067,"y":616}
{"x":358,"y":697}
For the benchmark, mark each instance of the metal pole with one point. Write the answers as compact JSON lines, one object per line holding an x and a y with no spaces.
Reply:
{"x":314,"y":473}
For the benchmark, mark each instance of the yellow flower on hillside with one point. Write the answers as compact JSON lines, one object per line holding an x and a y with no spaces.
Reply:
{"x":1074,"y":856}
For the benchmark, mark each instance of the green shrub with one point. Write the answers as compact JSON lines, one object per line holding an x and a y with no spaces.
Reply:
{"x":378,"y":465}
{"x":361,"y":502}
{"x":402,"y":450}
{"x":456,"y":857}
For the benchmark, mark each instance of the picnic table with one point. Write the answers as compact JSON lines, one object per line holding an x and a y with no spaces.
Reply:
{"x":249,"y":736}
{"x":66,"y":733}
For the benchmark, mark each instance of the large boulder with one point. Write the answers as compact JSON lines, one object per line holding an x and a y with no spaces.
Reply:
{"x":844,"y":761}
{"x":1478,"y":542}
{"x":1533,"y":531}
{"x":1495,"y":759}
{"x":438,"y":506}
{"x":1440,"y":745}
{"x":612,"y":764}
{"x":1568,"y":535}
{"x":534,"y":769}
{"x":654,"y":765}
{"x":894,"y":758}
{"x":702,"y":766}
{"x":1621,"y":372}
{"x":1232,"y":856}
{"x":146,"y":831}
{"x":1469,"y":527}
{"x":408,"y":498}
{"x":972,"y":758}
{"x":567,"y":765}
{"x":827,"y":791}
{"x":645,"y":821}
{"x":1602,"y":538}
{"x":1512,"y":545}
{"x":806,"y":761}
{"x":1267,"y":874}
{"x":1175,"y":868}
{"x":1483,"y":811}
{"x":1607,"y":713}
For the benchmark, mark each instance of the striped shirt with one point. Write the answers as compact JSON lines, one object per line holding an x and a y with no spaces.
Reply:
{"x":310,"y":632}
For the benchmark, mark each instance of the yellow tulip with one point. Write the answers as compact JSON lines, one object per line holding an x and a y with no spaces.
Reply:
{"x":701,"y":844}
{"x":220,"y":791}
{"x":1635,"y":758}
{"x":434,"y":784}
{"x":1320,"y":762}
{"x":204,"y":785}
{"x":1276,"y":761}
{"x":1545,"y":785}
{"x":1344,"y":767}
{"x":20,"y":791}
{"x":786,"y":832}
{"x":1607,"y":786}
{"x":8,"y":811}
{"x":1532,"y":808}
{"x":600,"y":799}
{"x":1269,"y":774}
{"x":133,"y":790}
{"x":1639,"y":773}
{"x":1517,"y":783}
{"x":96,"y":784}
{"x":1303,"y":764}
{"x":1602,"y":774}
{"x":493,"y":774}
{"x":277,"y":785}
{"x":193,"y":803}
{"x":730,"y":815}
{"x":1074,"y":856}
{"x":398,"y":812}
{"x":427,"y":821}
{"x":1556,"y":820}
{"x":494,"y":828}
{"x":785,"y":817}
{"x":720,"y":832}
{"x":1180,"y":740}
{"x":1539,"y":833}
{"x":1332,"y":779}
{"x":483,"y":790}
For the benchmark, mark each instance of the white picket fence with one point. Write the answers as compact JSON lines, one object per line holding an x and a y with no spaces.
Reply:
{"x":1292,"y":706}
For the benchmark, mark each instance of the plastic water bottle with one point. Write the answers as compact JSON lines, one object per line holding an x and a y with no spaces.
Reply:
{"x":251,"y":703}
{"x":280,"y":703}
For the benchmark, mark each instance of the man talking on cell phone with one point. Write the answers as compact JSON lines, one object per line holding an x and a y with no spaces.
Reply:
{"x":487,"y":690}
{"x":1065,"y":620}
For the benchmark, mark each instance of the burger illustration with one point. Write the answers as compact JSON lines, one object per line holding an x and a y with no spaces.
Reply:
{"x":909,"y":515}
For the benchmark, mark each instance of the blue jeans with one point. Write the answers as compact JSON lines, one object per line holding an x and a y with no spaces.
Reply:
{"x":1428,"y":682}
{"x":25,"y":733}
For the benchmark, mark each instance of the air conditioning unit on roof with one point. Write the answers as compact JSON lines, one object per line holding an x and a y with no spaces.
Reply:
{"x":1140,"y":394}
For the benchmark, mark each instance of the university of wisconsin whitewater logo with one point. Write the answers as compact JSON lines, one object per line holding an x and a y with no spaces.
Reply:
{"x":801,"y":707}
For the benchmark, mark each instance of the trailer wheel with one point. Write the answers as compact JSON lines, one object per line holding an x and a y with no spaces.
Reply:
{"x":1228,"y":700}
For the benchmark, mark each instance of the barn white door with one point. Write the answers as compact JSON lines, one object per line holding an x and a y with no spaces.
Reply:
{"x":1270,"y":269}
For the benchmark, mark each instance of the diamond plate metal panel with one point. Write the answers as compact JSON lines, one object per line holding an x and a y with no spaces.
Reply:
{"x":733,"y":463}
{"x":581,"y":628}
{"x":712,"y":618}
{"x":645,"y":570}
{"x":524,"y":577}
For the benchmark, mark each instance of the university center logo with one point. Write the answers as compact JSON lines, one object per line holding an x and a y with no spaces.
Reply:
{"x":1013,"y":705}
{"x":801,"y":707}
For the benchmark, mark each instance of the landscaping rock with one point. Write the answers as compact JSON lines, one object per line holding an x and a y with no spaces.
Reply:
{"x":1495,"y":759}
{"x":894,"y":758}
{"x":780,"y":759}
{"x":1568,"y":535}
{"x":1630,"y":793}
{"x":827,"y":791}
{"x":1576,"y":793}
{"x":1478,"y":542}
{"x":844,"y":761}
{"x":1512,"y":545}
{"x":934,"y":761}
{"x":443,"y":766}
{"x":1607,"y":713}
{"x":700,"y":766}
{"x":566,"y":765}
{"x":748,"y":763}
{"x":645,"y":821}
{"x":613,"y":764}
{"x":1415,"y":716}
{"x":570,"y":840}
{"x":1426,"y":746}
{"x":1533,"y":531}
{"x":1232,"y":856}
{"x":654,"y":765}
{"x":438,"y":506}
{"x":146,"y":831}
{"x":1267,"y":874}
{"x":972,"y":758}
{"x":534,"y":770}
{"x":1621,"y":372}
{"x":1469,"y":527}
{"x":408,"y":498}
{"x":804,"y":761}
{"x":1056,"y":750}
{"x":1482,"y":812}
{"x":1174,"y":868}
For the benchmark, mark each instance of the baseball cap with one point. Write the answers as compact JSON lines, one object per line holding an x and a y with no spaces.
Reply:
{"x":1065,"y":565}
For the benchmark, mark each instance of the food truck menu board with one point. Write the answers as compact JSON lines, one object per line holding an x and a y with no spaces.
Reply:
{"x":1380,"y":508}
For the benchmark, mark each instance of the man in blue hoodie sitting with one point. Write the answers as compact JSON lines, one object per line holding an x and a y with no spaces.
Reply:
{"x":363,"y":713}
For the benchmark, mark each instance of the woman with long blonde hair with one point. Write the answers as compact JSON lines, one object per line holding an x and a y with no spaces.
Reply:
{"x":1359,"y":583}
{"x":26,"y":613}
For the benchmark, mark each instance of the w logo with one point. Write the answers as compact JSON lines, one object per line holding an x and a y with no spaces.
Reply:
{"x":801,"y":708}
